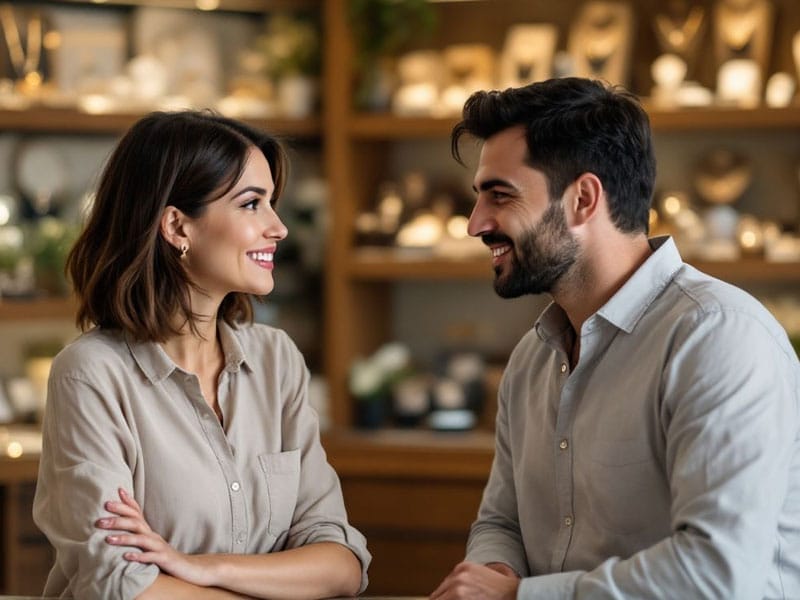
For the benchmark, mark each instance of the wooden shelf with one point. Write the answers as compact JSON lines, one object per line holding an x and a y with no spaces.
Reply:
{"x":59,"y":120}
{"x":724,"y":119}
{"x":387,"y":126}
{"x":386,"y":264}
{"x":18,"y":309}
{"x":752,"y":270}
{"x":411,"y":452}
{"x":380,"y":126}
{"x":246,"y":6}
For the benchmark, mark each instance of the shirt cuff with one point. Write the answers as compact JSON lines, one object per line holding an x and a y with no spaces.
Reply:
{"x":498,"y":554}
{"x":555,"y":586}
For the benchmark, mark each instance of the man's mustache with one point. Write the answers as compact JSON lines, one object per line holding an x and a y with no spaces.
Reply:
{"x":496,"y":238}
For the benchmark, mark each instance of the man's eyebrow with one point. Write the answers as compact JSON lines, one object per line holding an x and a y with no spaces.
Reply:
{"x":250,"y":188}
{"x":491,"y":183}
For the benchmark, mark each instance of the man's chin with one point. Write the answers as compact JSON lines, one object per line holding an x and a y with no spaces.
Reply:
{"x":504,"y":286}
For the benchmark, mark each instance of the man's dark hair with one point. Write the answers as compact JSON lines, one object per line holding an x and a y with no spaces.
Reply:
{"x":573,"y":126}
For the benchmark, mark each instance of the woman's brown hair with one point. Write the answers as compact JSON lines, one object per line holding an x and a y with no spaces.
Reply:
{"x":125,"y":274}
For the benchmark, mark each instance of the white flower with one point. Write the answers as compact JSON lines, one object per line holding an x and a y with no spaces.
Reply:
{"x":392,"y":358}
{"x":365,"y":378}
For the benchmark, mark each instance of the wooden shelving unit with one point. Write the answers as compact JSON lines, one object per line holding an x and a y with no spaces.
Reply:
{"x":711,"y":119}
{"x":413,"y":493}
{"x":70,"y":121}
{"x":36,"y":309}
{"x":386,"y":264}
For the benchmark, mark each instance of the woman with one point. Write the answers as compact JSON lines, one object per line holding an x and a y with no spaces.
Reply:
{"x":181,"y":458}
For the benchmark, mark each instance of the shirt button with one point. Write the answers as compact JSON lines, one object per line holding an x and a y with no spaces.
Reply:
{"x":235,"y":486}
{"x":568,"y":521}
{"x":563,"y":367}
{"x":563,"y":444}
{"x":240,"y":538}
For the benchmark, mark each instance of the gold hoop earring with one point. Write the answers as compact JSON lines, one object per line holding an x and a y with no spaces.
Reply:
{"x":184,"y":250}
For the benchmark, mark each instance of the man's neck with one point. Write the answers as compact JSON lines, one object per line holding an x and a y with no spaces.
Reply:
{"x":598,"y":274}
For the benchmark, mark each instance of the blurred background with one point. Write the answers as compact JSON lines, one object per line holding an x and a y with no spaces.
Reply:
{"x":379,"y":285}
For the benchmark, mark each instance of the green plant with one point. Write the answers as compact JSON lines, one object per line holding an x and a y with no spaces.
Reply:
{"x":385,"y":27}
{"x":291,"y":45}
{"x":50,"y":242}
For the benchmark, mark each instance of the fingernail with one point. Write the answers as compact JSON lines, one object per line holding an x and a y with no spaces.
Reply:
{"x":103,"y":522}
{"x":111,"y":538}
{"x":122,"y":492}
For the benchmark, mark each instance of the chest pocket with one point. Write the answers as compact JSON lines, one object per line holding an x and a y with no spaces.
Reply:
{"x":282,"y":474}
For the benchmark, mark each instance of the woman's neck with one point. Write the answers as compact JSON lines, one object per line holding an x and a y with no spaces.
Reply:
{"x":199,"y":351}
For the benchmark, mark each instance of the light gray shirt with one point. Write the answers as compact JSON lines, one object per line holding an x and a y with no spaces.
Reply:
{"x":122,"y":414}
{"x":666,"y":464}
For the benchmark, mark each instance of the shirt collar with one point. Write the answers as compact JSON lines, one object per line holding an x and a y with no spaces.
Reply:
{"x":626,"y":307}
{"x":629,"y":303}
{"x":157,"y":365}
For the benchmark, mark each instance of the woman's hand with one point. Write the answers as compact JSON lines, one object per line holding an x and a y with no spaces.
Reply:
{"x":154,"y":549}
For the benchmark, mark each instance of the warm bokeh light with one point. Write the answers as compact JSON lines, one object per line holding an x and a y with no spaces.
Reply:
{"x":14,"y":449}
{"x":207,"y":4}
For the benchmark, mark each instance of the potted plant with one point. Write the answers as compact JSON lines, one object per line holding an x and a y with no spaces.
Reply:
{"x":372,"y":380}
{"x":291,"y":47}
{"x":382,"y":29}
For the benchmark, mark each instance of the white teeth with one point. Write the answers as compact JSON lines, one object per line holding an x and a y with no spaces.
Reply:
{"x":500,"y":251}
{"x":261,"y":256}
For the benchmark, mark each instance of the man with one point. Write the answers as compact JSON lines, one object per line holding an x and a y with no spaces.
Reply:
{"x":646,"y":440}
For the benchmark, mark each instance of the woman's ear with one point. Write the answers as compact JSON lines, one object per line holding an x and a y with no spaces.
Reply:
{"x":172,"y":227}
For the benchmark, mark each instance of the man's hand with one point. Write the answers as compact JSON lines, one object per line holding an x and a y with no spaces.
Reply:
{"x":479,"y":582}
{"x":136,"y":532}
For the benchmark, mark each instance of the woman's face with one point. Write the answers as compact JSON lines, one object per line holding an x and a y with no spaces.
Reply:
{"x":232,"y":245}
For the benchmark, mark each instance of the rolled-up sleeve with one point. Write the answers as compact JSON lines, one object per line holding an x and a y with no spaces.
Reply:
{"x":86,"y":451}
{"x":320,"y":514}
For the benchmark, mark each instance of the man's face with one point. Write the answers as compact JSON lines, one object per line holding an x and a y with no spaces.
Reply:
{"x":527,"y":233}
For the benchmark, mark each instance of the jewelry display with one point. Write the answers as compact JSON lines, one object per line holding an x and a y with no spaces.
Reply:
{"x":796,"y":52}
{"x":418,"y":74}
{"x":467,"y":68}
{"x":780,"y":90}
{"x":739,"y":83}
{"x":527,"y":54}
{"x":600,"y":41}
{"x":668,"y":71}
{"x":743,"y":29}
{"x":679,"y":30}
{"x":42,"y":175}
{"x":24,"y":59}
{"x":722,"y":177}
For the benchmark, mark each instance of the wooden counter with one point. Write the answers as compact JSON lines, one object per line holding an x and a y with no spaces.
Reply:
{"x":26,"y":553}
{"x":413,"y":494}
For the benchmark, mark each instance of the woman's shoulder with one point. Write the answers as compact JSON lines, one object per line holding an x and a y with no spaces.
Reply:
{"x":261,"y":336}
{"x":262,"y":343}
{"x":91,"y":351}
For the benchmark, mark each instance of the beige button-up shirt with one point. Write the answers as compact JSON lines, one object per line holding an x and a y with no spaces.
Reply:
{"x":123,"y":414}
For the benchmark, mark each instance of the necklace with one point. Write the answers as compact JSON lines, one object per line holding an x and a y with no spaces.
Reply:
{"x":677,"y":36}
{"x":25,"y":61}
{"x":739,"y":24}
{"x":602,"y":39}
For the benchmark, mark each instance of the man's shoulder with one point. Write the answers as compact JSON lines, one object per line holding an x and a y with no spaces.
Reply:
{"x":698,"y":295}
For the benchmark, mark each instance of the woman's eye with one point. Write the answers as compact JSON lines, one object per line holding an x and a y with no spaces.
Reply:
{"x":252,"y":204}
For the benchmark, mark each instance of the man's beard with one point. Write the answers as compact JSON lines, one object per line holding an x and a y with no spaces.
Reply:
{"x":540,"y":256}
